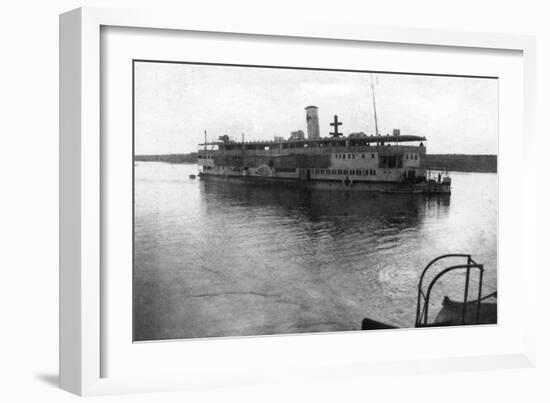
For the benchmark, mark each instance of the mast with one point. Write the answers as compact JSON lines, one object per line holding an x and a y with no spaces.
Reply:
{"x":374,"y":105}
{"x":242,"y":152}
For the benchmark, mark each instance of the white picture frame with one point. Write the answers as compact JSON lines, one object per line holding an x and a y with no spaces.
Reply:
{"x":81,"y":307}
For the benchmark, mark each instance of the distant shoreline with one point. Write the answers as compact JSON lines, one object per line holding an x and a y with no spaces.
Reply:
{"x":452,"y":162}
{"x":190,"y":158}
{"x":461,"y":162}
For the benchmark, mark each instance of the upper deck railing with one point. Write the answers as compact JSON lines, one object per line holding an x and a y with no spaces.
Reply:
{"x":321,"y":142}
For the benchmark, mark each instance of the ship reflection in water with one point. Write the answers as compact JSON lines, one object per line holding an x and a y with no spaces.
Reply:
{"x":223,"y":259}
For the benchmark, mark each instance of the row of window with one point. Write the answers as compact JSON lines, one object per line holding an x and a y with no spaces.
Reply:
{"x":344,"y":156}
{"x":352,"y":156}
{"x":353,"y":172}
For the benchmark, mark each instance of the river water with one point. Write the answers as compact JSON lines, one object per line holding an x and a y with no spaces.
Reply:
{"x":218,"y":259}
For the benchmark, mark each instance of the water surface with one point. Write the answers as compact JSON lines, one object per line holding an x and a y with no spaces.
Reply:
{"x":220,"y":259}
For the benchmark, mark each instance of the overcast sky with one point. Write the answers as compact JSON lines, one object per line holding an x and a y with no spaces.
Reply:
{"x":175,"y":103}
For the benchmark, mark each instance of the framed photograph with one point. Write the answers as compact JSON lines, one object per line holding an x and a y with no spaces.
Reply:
{"x":246,"y":202}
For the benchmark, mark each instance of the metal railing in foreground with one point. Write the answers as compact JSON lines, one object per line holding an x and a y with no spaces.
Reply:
{"x":423,"y":299}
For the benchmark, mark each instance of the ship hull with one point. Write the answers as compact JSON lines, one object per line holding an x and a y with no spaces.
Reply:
{"x":340,"y":185}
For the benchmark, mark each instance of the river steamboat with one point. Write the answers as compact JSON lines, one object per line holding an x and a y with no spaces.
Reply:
{"x":381,"y":163}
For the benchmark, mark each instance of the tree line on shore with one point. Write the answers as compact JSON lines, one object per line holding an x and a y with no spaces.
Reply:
{"x":461,"y":162}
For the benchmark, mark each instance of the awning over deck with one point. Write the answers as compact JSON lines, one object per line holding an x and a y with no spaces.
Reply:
{"x":327,"y":140}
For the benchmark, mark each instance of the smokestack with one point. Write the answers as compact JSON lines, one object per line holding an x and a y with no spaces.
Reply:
{"x":312,"y":120}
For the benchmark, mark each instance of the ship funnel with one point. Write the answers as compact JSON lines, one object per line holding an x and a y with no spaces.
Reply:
{"x":312,"y":119}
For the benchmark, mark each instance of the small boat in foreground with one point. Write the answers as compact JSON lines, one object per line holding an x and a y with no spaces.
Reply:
{"x":481,"y":310}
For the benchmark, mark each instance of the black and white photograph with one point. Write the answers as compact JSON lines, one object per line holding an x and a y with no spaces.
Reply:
{"x":289,"y":201}
{"x":273,"y":200}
